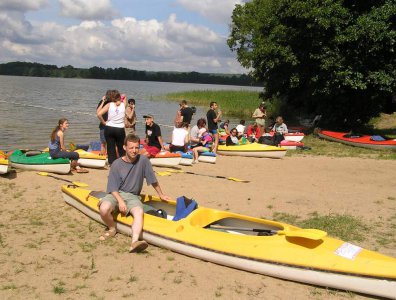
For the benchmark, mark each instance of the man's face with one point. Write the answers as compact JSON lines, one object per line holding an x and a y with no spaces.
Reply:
{"x":215,"y":106}
{"x":131,"y":150}
{"x":149,"y":121}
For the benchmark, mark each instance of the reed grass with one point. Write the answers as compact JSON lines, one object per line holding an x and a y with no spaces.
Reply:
{"x":232,"y":103}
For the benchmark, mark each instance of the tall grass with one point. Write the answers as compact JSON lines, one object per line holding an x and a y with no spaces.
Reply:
{"x":232,"y":103}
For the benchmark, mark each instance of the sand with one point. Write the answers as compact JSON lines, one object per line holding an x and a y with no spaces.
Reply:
{"x":49,"y":250}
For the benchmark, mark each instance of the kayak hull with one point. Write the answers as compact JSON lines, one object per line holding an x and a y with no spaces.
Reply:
{"x":4,"y":166}
{"x":41,"y":162}
{"x":291,"y":145}
{"x":292,"y":258}
{"x":166,"y":159}
{"x":364,"y":141}
{"x":207,"y":157}
{"x":91,"y":160}
{"x":294,"y":137}
{"x":186,"y":158}
{"x":252,"y":150}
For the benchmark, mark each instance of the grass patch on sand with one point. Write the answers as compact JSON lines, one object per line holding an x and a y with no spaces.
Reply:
{"x":344,"y":227}
{"x":320,"y":147}
{"x":233,"y":103}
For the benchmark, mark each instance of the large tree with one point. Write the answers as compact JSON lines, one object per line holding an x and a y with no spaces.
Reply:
{"x":333,"y":57}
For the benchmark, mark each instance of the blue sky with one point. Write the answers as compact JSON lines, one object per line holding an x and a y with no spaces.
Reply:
{"x":156,"y":35}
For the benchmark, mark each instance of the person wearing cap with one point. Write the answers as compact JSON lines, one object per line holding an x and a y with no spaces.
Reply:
{"x":154,"y":143}
{"x":259,"y":116}
{"x":130,"y":117}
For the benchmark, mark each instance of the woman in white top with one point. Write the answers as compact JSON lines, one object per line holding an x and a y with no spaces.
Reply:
{"x":115,"y":126}
{"x":180,"y":138}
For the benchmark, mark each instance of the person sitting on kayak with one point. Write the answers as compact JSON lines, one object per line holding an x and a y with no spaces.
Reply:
{"x":195,"y":137}
{"x":124,"y":186}
{"x":253,"y":133}
{"x":154,"y":143}
{"x":232,"y":139}
{"x":180,"y":138}
{"x":57,"y":147}
{"x":206,"y":142}
{"x":279,"y":126}
{"x":223,"y":128}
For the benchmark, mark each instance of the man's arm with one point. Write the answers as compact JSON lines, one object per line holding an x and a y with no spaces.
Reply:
{"x":157,"y":188}
{"x":161,"y":142}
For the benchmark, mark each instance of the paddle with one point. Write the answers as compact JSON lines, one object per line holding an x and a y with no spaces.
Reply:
{"x":192,"y":173}
{"x":76,"y":183}
{"x":312,"y":234}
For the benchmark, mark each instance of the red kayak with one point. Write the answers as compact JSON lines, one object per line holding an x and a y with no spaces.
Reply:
{"x":359,"y":140}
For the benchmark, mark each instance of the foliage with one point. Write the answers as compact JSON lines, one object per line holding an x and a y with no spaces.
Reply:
{"x":239,"y":104}
{"x":331,"y":57}
{"x":40,"y":70}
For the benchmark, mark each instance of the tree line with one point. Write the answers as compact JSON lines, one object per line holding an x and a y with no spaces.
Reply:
{"x":43,"y":70}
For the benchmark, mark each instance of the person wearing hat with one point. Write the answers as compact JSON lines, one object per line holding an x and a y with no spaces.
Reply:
{"x":259,"y":116}
{"x":154,"y":143}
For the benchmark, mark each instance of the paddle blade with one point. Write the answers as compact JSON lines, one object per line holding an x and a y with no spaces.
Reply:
{"x":312,"y":234}
{"x":237,"y":180}
{"x":165,"y":173}
{"x":174,"y":171}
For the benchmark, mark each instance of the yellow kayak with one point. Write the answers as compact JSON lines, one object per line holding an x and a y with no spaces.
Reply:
{"x":4,"y":163}
{"x":89,"y":159}
{"x":252,"y":150}
{"x":253,"y":244}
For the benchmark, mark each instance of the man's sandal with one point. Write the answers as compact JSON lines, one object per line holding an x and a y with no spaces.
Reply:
{"x":138,"y":246}
{"x":108,"y":234}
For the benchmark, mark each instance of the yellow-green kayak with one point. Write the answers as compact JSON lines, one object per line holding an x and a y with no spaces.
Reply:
{"x":256,"y":245}
{"x":252,"y":150}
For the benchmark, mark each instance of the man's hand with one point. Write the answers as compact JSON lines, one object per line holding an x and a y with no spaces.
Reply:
{"x":165,"y":197}
{"x":122,"y":207}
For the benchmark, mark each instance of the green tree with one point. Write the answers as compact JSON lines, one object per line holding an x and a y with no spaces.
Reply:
{"x":333,"y":57}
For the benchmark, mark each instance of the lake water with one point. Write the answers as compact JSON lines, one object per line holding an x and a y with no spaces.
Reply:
{"x":30,"y":107}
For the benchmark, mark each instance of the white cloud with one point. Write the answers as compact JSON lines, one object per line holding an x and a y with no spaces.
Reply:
{"x":23,"y":5}
{"x":219,"y":11}
{"x":87,"y":9}
{"x":170,"y":45}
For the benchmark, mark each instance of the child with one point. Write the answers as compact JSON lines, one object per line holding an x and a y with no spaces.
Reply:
{"x":241,"y":128}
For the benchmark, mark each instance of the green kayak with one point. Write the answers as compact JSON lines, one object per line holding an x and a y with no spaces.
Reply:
{"x":39,"y":161}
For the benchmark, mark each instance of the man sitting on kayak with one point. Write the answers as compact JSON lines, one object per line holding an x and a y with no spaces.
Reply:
{"x":124,"y":187}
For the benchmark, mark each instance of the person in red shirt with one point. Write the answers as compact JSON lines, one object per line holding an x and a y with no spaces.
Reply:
{"x":253,"y":133}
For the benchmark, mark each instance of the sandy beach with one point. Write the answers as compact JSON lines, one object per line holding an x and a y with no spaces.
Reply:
{"x":49,"y":250}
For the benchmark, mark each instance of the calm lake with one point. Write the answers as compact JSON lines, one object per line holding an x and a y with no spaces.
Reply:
{"x":30,"y":107}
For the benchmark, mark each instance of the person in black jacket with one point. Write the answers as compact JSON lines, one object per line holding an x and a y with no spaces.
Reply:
{"x":232,"y":139}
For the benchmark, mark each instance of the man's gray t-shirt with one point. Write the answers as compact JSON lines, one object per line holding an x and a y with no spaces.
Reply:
{"x":132,"y":182}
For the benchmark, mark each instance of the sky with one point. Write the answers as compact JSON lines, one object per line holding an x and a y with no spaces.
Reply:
{"x":153,"y":35}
